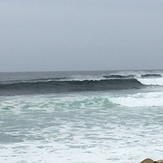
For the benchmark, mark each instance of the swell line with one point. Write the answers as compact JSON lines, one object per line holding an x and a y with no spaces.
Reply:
{"x":69,"y":86}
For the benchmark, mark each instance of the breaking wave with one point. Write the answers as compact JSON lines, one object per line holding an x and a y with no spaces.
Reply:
{"x":151,"y":75}
{"x":118,"y":76}
{"x":47,"y":86}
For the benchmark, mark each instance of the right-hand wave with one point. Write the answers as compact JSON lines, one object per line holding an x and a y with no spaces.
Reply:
{"x":68,"y":86}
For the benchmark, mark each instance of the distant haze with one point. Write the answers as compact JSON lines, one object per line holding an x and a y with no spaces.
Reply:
{"x":65,"y":35}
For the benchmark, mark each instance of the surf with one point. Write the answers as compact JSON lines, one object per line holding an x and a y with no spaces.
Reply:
{"x":47,"y":86}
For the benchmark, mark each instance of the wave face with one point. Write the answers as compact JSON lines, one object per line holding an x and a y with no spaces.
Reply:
{"x":63,"y":82}
{"x":68,"y":86}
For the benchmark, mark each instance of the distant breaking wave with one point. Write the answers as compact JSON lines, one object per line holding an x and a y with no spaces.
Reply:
{"x":118,"y":76}
{"x":151,"y":75}
{"x":47,"y":86}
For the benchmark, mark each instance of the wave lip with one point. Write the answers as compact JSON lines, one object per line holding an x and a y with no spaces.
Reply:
{"x":68,"y":86}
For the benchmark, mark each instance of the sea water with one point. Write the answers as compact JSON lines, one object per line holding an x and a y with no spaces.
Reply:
{"x":81,"y":117}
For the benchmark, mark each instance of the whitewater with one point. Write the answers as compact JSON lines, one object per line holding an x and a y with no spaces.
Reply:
{"x":81,"y":117}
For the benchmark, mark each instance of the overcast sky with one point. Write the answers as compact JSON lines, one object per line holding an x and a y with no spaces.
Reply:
{"x":59,"y":35}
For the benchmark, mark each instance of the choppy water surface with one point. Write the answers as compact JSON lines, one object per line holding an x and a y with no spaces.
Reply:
{"x":78,"y":128}
{"x":92,"y":126}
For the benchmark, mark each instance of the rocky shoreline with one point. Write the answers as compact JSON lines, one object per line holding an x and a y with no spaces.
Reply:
{"x":148,"y":160}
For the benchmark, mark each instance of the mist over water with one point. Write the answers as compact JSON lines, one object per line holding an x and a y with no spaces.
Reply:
{"x":90,"y":126}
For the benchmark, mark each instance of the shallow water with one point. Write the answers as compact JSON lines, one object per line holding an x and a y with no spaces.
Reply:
{"x":89,"y":127}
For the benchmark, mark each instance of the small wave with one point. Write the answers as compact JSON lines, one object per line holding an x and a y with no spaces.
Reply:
{"x":151,"y":75}
{"x":34,"y":80}
{"x":118,"y":76}
{"x":68,"y":86}
{"x":49,"y":103}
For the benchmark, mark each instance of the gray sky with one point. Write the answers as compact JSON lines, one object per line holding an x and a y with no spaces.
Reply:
{"x":58,"y":35}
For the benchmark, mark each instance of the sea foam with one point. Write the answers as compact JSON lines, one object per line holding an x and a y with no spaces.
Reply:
{"x":151,"y":81}
{"x":149,"y":99}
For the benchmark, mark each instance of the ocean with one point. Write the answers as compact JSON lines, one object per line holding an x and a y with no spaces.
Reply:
{"x":81,"y":117}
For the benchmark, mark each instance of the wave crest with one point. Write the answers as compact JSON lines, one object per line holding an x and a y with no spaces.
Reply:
{"x":68,"y":86}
